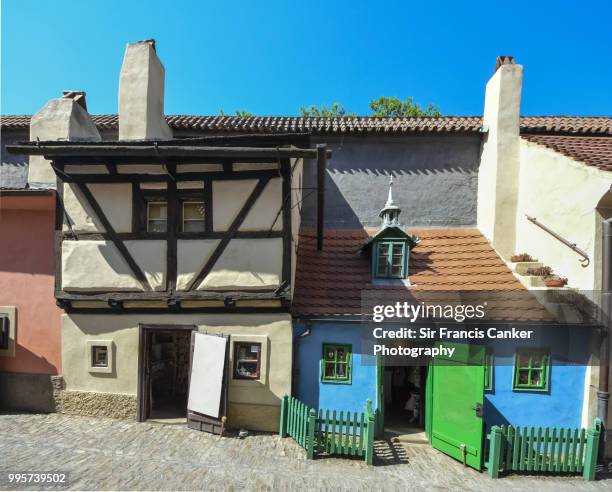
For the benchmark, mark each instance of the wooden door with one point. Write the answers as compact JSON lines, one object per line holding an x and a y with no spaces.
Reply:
{"x":456,"y":397}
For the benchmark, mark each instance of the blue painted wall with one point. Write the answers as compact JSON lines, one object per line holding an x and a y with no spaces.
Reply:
{"x":307,"y":378}
{"x":562,"y":404}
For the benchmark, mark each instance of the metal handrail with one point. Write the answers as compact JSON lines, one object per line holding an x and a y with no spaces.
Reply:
{"x":585,"y":257}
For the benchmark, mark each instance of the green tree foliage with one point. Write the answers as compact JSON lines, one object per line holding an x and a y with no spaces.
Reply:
{"x":385,"y":107}
{"x":334,"y":111}
{"x":242,"y":114}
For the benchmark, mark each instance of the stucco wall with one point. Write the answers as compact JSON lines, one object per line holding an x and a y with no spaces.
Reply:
{"x":309,"y":350}
{"x":272,"y":330}
{"x":27,"y":282}
{"x":562,"y":194}
{"x":435,"y":180}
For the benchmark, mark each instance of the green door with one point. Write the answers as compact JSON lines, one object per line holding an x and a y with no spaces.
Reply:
{"x":455,"y":397}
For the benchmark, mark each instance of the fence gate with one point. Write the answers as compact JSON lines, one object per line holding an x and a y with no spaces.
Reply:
{"x":454,"y":407}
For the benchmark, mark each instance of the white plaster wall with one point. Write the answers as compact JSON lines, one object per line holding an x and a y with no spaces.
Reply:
{"x":498,"y":176}
{"x":562,"y":194}
{"x":122,"y":330}
{"x":97,"y":265}
{"x":192,"y":255}
{"x":115,"y":199}
{"x":141,"y":169}
{"x":228,"y":198}
{"x":247,"y":264}
{"x":265,"y":210}
{"x":296,"y":212}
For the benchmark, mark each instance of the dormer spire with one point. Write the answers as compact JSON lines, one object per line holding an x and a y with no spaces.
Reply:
{"x":390,"y":213}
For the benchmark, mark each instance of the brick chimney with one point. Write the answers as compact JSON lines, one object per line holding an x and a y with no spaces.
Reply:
{"x":64,"y":118}
{"x":498,"y":175}
{"x":141,"y":94}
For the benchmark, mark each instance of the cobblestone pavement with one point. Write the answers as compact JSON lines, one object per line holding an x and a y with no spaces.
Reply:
{"x":103,"y":454}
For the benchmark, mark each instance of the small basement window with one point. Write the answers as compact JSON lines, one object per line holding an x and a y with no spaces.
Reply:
{"x":247,"y":360}
{"x":336,"y":363}
{"x":390,"y":261}
{"x":531,"y":370}
{"x":157,"y":216}
{"x":99,"y":356}
{"x":193,"y":216}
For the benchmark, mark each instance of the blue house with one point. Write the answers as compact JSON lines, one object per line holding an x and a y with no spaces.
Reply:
{"x":540,"y":380}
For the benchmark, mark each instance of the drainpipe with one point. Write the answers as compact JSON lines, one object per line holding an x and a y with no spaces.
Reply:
{"x":603,"y":393}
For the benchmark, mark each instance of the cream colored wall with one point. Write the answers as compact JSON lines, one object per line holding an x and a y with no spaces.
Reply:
{"x":296,"y":212}
{"x":94,"y":265}
{"x":498,"y":174}
{"x":274,"y":331}
{"x":562,"y":194}
{"x":115,"y":199}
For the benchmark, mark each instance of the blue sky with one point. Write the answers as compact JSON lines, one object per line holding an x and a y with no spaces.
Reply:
{"x":271,"y":57}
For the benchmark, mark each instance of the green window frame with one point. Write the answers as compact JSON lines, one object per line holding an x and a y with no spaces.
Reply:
{"x":488,"y":370}
{"x":336,"y":363}
{"x":531,"y":370}
{"x":390,"y":259}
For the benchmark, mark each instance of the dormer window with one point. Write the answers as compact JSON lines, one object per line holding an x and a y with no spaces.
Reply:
{"x":391,"y":245}
{"x":390,"y":259}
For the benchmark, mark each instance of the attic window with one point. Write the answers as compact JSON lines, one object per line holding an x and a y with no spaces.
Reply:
{"x":390,"y":259}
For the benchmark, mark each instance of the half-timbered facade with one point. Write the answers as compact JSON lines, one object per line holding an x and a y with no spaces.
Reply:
{"x":157,"y":238}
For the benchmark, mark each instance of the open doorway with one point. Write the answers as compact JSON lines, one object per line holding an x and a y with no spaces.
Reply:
{"x":164,"y":373}
{"x":404,"y":399}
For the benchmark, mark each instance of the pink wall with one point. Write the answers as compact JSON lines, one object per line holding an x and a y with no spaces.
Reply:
{"x":27,"y":282}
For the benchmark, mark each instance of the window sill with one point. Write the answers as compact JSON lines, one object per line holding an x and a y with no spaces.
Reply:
{"x":348,"y":381}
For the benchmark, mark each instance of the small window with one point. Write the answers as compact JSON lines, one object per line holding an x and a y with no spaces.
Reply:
{"x":488,"y":370}
{"x":157,"y":216}
{"x":247,"y":360}
{"x":99,"y":356}
{"x":336,"y":363}
{"x":4,"y":332}
{"x":193,"y":216}
{"x":391,"y":259}
{"x":531,"y":370}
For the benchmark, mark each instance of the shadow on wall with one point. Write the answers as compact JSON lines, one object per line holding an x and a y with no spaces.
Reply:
{"x":435,"y":181}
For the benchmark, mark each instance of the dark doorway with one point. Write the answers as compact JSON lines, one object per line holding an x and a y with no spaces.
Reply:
{"x":164,"y":372}
{"x":404,"y":400}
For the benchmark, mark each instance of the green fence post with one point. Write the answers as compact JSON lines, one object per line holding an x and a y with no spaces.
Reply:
{"x":590,"y":459}
{"x":312,"y":422}
{"x":283,"y":416}
{"x":369,"y":455}
{"x":495,"y":451}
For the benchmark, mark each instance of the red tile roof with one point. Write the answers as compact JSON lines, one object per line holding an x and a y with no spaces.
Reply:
{"x":594,"y":151}
{"x":363,"y":124}
{"x":331,"y":282}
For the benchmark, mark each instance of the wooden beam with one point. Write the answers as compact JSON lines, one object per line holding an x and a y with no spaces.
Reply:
{"x":286,"y":220}
{"x":321,"y":174}
{"x":199,"y":295}
{"x":233,"y":228}
{"x":162,"y":178}
{"x":159,"y":150}
{"x":121,"y":247}
{"x":172,"y":225}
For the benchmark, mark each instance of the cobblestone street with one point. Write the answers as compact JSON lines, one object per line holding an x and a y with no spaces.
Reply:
{"x":118,"y":455}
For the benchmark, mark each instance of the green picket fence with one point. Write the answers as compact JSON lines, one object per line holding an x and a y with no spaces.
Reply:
{"x":330,"y":431}
{"x":544,"y":450}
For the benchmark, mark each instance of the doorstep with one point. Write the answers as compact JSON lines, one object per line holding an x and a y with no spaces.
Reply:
{"x":407,"y":435}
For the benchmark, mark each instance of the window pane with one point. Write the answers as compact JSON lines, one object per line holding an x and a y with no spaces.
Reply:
{"x":329,"y":370}
{"x":247,"y":369}
{"x":536,"y":378}
{"x":330,"y":354}
{"x":193,"y":210}
{"x":99,"y":356}
{"x":341,"y":370}
{"x":537,"y":360}
{"x":194,"y":226}
{"x":396,"y":271}
{"x":523,"y":360}
{"x":158,"y":210}
{"x":523,"y":376}
{"x":398,"y":249}
{"x":246,"y":360}
{"x":157,"y":226}
{"x":341,"y":355}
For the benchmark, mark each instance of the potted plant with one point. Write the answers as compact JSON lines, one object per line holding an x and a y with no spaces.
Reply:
{"x":521,"y":257}
{"x":542,"y":271}
{"x":555,"y":281}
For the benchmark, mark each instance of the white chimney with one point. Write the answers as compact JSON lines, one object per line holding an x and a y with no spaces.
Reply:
{"x":64,"y":118}
{"x":498,"y":175}
{"x":141,"y":94}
